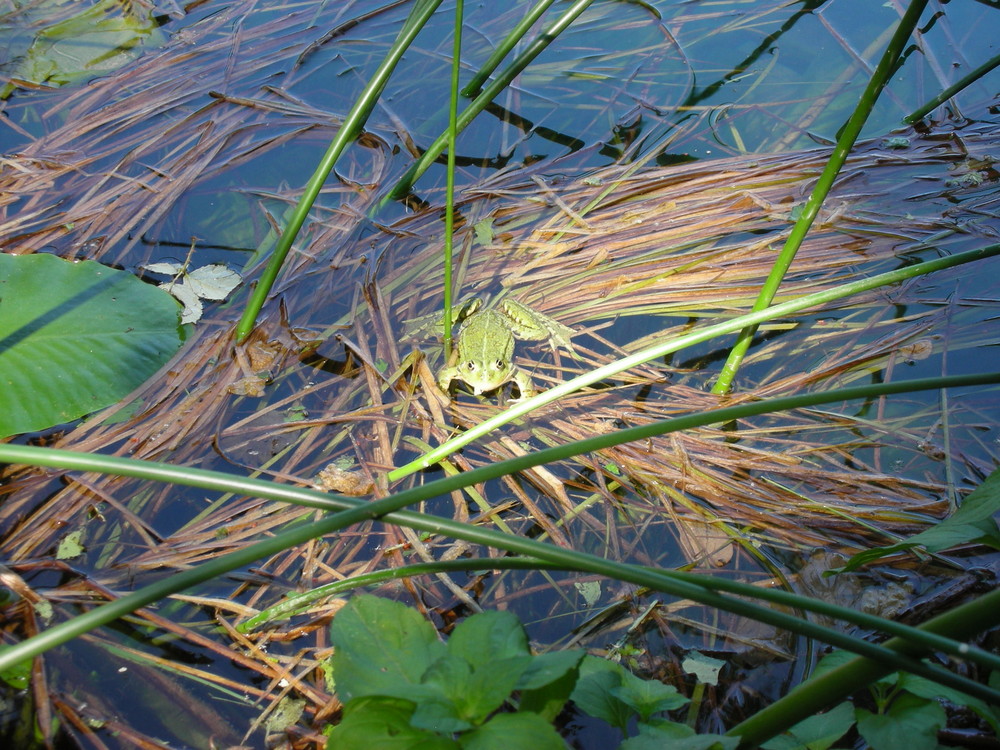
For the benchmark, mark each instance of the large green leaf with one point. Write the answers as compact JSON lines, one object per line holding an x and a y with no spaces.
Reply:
{"x":382,"y":647}
{"x":76,"y":337}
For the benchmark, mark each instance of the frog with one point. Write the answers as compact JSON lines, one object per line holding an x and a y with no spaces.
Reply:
{"x":483,"y":357}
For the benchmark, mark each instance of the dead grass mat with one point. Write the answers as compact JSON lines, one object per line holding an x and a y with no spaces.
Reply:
{"x":664,"y":248}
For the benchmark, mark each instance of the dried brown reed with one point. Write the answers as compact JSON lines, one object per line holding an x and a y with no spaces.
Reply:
{"x":680,"y":244}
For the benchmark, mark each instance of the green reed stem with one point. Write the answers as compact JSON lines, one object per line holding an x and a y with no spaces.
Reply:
{"x":503,"y":49}
{"x":535,"y":48}
{"x":660,"y":350}
{"x":845,"y":141}
{"x":831,"y":688}
{"x":349,"y":130}
{"x":449,"y":206}
{"x":949,"y":92}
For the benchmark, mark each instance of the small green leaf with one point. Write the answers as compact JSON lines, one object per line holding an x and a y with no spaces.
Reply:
{"x":509,"y":731}
{"x":972,"y":523}
{"x":589,"y":590}
{"x":287,"y":714}
{"x":546,"y":668}
{"x":488,"y":636}
{"x":484,"y":231}
{"x":383,"y":723}
{"x":818,"y":732}
{"x":830,"y":662}
{"x":925,"y":688}
{"x":69,"y":546}
{"x":548,"y":682}
{"x":381,"y":647}
{"x":17,"y":676}
{"x":75,"y":337}
{"x":664,"y":735}
{"x":647,"y":697}
{"x":43,"y":610}
{"x":911,"y":722}
{"x":443,"y":706}
{"x":593,"y":692}
{"x":492,"y":684}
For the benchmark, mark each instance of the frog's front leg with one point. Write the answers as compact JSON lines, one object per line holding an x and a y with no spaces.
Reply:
{"x":530,"y":325}
{"x":525,"y":387}
{"x":446,"y":376}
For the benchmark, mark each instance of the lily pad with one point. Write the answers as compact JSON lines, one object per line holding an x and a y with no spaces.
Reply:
{"x":76,"y":337}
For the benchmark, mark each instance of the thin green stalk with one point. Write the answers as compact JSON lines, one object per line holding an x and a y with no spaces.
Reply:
{"x":535,"y":48}
{"x":949,"y":92}
{"x":503,"y":49}
{"x":831,"y":688}
{"x":349,"y":130}
{"x":660,"y":350}
{"x":449,"y":207}
{"x":845,"y":142}
{"x":682,"y":585}
{"x":300,"y":601}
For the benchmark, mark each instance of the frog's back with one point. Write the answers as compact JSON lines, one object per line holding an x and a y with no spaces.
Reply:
{"x":486,"y":335}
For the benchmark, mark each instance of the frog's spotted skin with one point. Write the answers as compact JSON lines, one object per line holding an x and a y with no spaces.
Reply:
{"x":485,"y":346}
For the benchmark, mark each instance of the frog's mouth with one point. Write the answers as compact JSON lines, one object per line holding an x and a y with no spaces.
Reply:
{"x":480,"y":390}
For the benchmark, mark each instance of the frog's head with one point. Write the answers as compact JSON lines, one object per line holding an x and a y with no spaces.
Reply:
{"x":485,"y":375}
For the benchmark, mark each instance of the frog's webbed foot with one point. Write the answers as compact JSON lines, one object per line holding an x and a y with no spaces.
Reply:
{"x":528,"y":324}
{"x":445,"y":378}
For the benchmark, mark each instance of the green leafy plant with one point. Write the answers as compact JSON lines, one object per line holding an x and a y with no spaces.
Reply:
{"x":482,"y":688}
{"x":907,"y":713}
{"x":76,"y":337}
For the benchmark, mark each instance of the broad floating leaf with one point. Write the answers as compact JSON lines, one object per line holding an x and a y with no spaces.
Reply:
{"x":99,"y":39}
{"x":75,"y":337}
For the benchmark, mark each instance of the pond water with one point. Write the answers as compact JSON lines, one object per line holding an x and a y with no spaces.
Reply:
{"x":634,"y":182}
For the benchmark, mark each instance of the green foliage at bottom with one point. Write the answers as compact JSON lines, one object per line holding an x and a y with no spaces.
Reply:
{"x":483,"y":689}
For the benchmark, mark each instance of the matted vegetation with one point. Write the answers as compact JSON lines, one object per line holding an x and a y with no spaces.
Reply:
{"x":345,"y":378}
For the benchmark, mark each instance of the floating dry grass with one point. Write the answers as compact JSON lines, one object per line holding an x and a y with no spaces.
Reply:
{"x":650,"y":250}
{"x":621,"y":257}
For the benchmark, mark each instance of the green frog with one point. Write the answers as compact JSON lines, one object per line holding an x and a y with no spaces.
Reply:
{"x":485,"y":348}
